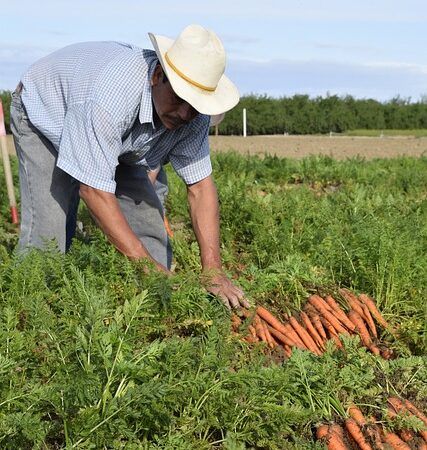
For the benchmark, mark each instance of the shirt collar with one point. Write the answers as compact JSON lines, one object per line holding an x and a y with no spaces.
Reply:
{"x":146,"y":107}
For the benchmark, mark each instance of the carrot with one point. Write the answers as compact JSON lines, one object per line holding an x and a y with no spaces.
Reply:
{"x":387,"y":353}
{"x":333,"y":437}
{"x":275,"y":343}
{"x":279,"y":326}
{"x":250,"y":339}
{"x":260,"y":329}
{"x":339,"y":313}
{"x":267,"y":334}
{"x":283,"y":338}
{"x":406,"y":435}
{"x":394,"y":440}
{"x":371,"y":429}
{"x":294,"y":336}
{"x":315,"y":320}
{"x":396,"y":403}
{"x":362,"y":331}
{"x":357,"y":415}
{"x":167,"y":227}
{"x":247,"y":314}
{"x":252,"y":330}
{"x":235,"y":320}
{"x":375,"y":349}
{"x":271,"y":319}
{"x":353,"y":302}
{"x":336,"y":441}
{"x":375,"y":432}
{"x":305,"y":337}
{"x":407,"y":406}
{"x":287,"y":350}
{"x":332,"y":332}
{"x":369,"y":320}
{"x":415,"y":411}
{"x":312,"y":331}
{"x":356,"y":433}
{"x":322,"y":431}
{"x":374,"y":311}
{"x":325,"y":310}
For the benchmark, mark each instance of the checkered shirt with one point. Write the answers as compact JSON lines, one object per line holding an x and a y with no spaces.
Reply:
{"x":93,"y":102}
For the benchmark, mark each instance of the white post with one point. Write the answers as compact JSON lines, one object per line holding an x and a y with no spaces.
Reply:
{"x":244,"y":122}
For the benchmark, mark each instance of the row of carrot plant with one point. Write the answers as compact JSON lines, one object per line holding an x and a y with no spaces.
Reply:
{"x":95,"y":353}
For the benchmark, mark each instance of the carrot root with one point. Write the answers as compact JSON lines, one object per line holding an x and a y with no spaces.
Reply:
{"x":356,"y":433}
{"x":312,"y":330}
{"x":362,"y":331}
{"x":396,"y":443}
{"x":304,"y":336}
{"x":339,"y":313}
{"x":375,"y":312}
{"x":326,"y":311}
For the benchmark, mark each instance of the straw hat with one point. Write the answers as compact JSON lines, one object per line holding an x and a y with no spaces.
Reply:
{"x":194,"y":64}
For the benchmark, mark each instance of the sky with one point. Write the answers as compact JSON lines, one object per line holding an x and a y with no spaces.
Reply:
{"x":366,"y":48}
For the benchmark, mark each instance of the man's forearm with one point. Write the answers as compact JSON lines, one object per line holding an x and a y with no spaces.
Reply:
{"x":204,"y":210}
{"x":106,"y":211}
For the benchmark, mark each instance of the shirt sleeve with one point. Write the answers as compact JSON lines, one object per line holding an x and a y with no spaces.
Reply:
{"x":90,"y":146}
{"x":190,"y":157}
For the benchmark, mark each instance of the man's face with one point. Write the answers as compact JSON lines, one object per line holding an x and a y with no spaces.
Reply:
{"x":171,"y":110}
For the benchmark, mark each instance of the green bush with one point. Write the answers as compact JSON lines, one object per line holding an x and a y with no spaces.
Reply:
{"x":6,"y":98}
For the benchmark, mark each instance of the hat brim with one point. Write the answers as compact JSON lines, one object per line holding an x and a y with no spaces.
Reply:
{"x":225,"y":97}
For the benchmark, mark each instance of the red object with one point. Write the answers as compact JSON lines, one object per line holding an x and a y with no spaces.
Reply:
{"x":14,"y":214}
{"x":2,"y":127}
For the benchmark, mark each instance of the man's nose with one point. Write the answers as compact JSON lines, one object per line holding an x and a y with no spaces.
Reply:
{"x":187,"y":112}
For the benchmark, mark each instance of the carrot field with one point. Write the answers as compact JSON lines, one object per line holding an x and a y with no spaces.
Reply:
{"x":97,"y":354}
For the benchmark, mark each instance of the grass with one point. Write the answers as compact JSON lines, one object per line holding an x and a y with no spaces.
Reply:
{"x":385,"y":133}
{"x":94,"y":353}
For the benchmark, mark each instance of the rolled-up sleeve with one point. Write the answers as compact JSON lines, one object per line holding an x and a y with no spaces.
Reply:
{"x":90,"y":146}
{"x":190,"y":157}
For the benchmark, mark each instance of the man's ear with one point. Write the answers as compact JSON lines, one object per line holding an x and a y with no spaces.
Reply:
{"x":157,"y":75}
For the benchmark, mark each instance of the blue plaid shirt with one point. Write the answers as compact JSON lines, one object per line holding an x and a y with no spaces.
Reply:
{"x":93,"y":102}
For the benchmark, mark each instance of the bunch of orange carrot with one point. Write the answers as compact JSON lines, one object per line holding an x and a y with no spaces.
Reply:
{"x":322,"y":319}
{"x":368,"y":434}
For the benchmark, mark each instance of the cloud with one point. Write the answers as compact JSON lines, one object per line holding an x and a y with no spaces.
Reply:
{"x":277,"y":78}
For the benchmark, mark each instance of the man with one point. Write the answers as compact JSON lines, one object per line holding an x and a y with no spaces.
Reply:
{"x":97,"y":120}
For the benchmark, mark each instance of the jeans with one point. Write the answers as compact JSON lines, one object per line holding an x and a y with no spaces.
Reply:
{"x":50,"y":197}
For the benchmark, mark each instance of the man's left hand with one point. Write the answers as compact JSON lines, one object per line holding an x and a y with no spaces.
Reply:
{"x":221,"y":286}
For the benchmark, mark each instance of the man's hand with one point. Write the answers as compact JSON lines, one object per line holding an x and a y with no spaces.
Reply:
{"x":221,"y":286}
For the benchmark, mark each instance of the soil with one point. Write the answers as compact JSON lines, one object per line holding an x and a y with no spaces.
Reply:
{"x":338,"y":147}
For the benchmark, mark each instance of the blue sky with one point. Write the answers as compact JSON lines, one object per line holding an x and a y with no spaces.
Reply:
{"x":367,"y":49}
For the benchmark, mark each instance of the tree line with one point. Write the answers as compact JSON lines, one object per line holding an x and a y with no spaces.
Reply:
{"x":302,"y":114}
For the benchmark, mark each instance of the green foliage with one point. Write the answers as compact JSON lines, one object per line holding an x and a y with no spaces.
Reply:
{"x":6,"y":98}
{"x":302,"y":114}
{"x":96,"y":353}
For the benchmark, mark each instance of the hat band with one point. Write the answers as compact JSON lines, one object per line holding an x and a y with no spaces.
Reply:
{"x":182,"y":75}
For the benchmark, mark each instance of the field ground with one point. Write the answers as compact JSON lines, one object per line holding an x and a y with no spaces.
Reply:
{"x":96,"y":352}
{"x":338,"y":147}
